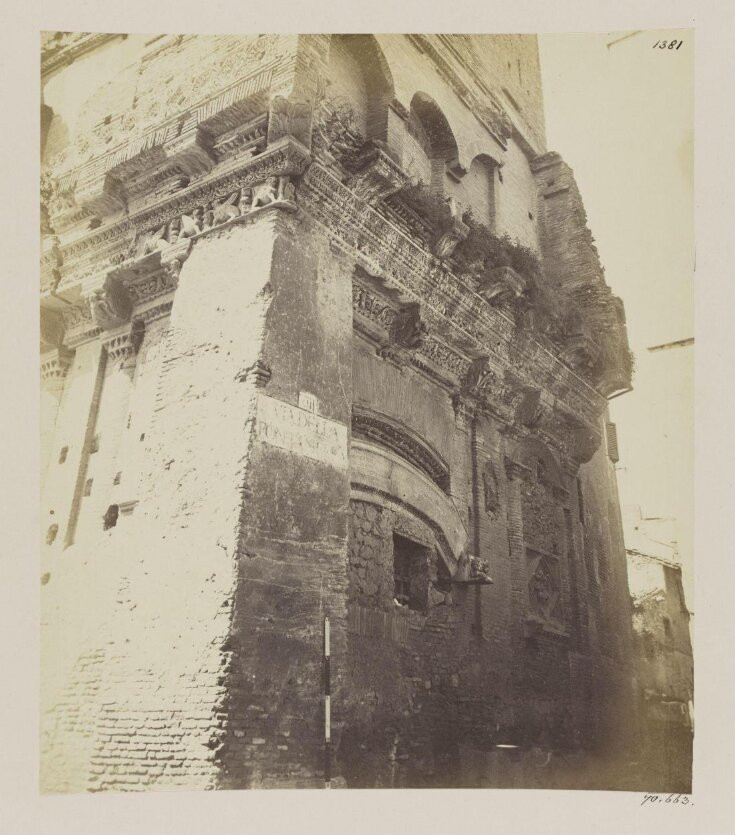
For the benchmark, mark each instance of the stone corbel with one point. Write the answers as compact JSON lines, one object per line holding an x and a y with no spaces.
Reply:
{"x":580,"y":353}
{"x":480,"y":379}
{"x":583,"y":443}
{"x":51,"y":262}
{"x":406,"y":333}
{"x":101,"y":194}
{"x":471,"y":571}
{"x":173,"y":257}
{"x":459,"y":230}
{"x":109,"y":301}
{"x":503,"y":285}
{"x":376,"y":175}
{"x":578,"y":439}
{"x":535,"y":409}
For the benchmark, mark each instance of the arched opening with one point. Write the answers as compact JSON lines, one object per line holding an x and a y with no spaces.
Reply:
{"x":359,"y":78}
{"x":429,"y":143}
{"x":475,"y":192}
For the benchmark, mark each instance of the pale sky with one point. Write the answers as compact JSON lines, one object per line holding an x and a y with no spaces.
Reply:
{"x":622,"y":117}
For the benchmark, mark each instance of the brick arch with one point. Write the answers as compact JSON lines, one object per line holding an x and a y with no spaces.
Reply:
{"x":430,"y":146}
{"x":531,"y":449}
{"x":359,"y":73}
{"x":476,"y":189}
{"x":441,"y":141}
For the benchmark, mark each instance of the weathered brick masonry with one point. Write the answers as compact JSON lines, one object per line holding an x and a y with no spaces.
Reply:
{"x":278,"y":389}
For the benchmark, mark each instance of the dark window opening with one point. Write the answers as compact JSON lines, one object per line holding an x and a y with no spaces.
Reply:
{"x":117,"y":478}
{"x":88,"y":487}
{"x":51,"y":534}
{"x":110,"y":517}
{"x":95,"y":445}
{"x":410,"y":573}
{"x":667,"y":627}
{"x":63,"y":453}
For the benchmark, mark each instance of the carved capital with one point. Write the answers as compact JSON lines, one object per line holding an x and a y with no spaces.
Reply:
{"x":55,"y":364}
{"x":258,"y":372}
{"x":120,"y":346}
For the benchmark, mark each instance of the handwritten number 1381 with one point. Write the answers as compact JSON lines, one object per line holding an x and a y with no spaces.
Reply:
{"x":668,"y":44}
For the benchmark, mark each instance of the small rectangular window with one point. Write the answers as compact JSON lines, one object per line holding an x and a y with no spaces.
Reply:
{"x":410,"y":573}
{"x":88,"y":487}
{"x":63,"y":453}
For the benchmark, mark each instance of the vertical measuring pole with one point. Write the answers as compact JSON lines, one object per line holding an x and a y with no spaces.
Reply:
{"x":327,"y":711}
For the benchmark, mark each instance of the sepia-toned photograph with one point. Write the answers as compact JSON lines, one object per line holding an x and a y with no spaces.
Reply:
{"x":367,"y":439}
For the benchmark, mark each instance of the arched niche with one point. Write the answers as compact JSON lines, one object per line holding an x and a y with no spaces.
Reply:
{"x":430,"y":146}
{"x":475,"y":191}
{"x":358,"y":76}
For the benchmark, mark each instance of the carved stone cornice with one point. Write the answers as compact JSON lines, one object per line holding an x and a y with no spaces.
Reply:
{"x":219,"y":198}
{"x":62,"y":48}
{"x":183,"y":144}
{"x":453,"y":310}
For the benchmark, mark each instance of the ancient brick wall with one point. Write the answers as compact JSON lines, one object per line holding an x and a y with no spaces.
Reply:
{"x":267,"y":384}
